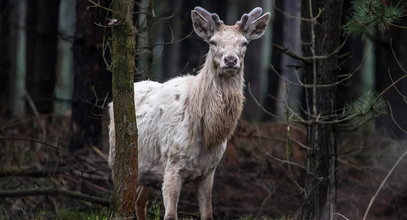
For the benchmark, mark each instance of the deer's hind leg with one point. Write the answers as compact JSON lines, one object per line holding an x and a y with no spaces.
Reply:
{"x":143,"y":195}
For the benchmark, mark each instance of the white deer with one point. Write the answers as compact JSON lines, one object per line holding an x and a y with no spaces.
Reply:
{"x":184,"y":123}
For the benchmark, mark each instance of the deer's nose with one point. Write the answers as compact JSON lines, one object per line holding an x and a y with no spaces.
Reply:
{"x":230,"y":61}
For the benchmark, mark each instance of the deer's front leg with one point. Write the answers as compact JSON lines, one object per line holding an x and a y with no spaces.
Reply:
{"x":171,"y":190}
{"x":205,"y":196}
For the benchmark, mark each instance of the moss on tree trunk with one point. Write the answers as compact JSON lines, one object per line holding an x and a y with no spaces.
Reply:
{"x":123,"y":69}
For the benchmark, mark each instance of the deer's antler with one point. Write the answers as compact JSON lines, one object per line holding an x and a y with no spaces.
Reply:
{"x":212,"y":18}
{"x":247,"y":19}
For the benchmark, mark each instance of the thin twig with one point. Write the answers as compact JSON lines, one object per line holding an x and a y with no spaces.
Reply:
{"x":32,"y":140}
{"x":296,"y":17}
{"x":339,"y":214}
{"x":98,"y":5}
{"x":394,"y":120}
{"x":382,"y":184}
{"x":31,"y":102}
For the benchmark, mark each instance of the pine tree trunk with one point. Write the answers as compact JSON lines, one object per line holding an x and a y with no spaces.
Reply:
{"x":64,"y":72}
{"x":18,"y":43}
{"x":123,"y":69}
{"x":273,"y":79}
{"x":41,"y":76}
{"x":172,"y":56}
{"x":291,"y":39}
{"x":320,"y":37}
{"x":145,"y":40}
{"x":7,"y":59}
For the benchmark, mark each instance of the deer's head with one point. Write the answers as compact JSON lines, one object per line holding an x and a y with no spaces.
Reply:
{"x":228,"y":42}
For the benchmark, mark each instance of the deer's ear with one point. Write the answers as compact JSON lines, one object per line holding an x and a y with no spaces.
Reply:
{"x":258,"y":27}
{"x":202,"y":27}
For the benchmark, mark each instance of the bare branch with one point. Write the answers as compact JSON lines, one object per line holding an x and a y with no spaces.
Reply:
{"x":98,"y":5}
{"x":382,"y":184}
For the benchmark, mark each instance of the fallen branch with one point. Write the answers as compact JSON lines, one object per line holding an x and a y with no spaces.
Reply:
{"x":31,"y":140}
{"x":32,"y":172}
{"x":54,"y":192}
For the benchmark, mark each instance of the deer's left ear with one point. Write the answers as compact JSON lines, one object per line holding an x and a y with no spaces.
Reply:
{"x":258,"y":27}
{"x":202,"y":27}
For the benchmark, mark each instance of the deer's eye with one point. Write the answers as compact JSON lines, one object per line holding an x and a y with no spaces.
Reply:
{"x":212,"y":43}
{"x":244,"y":44}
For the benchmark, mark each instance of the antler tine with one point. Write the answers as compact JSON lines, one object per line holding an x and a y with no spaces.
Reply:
{"x":247,"y":19}
{"x":243,"y":20}
{"x":210,"y":17}
{"x":215,"y":18}
{"x":204,"y":13}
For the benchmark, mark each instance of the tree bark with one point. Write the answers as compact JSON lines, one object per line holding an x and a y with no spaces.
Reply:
{"x":320,"y":37}
{"x":123,"y":69}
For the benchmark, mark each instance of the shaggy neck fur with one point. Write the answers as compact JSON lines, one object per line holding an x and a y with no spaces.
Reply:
{"x":216,"y":102}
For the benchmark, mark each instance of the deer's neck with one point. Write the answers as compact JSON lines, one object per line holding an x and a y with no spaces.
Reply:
{"x":216,"y":103}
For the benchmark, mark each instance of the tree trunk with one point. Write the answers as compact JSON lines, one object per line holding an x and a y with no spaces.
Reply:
{"x":17,"y":53}
{"x":320,"y":37}
{"x":275,"y":60}
{"x":289,"y":94}
{"x":41,"y":74}
{"x":256,"y":75}
{"x":64,"y":72}
{"x":145,"y":53}
{"x":7,"y":59}
{"x":123,"y":69}
{"x":21,"y":43}
{"x":172,"y":52}
{"x":91,"y":81}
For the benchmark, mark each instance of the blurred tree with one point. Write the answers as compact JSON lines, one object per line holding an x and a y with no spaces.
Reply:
{"x":64,"y":72}
{"x":18,"y":86}
{"x":324,"y":19}
{"x":290,"y":93}
{"x":257,"y":61}
{"x":6,"y":27}
{"x":388,"y":71}
{"x":42,"y":56}
{"x":13,"y":60}
{"x":123,"y":70}
{"x":275,"y":60}
{"x":92,"y":80}
{"x":376,"y":19}
{"x":145,"y":53}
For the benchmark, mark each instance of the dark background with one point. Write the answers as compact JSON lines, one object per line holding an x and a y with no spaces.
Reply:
{"x":55,"y":86}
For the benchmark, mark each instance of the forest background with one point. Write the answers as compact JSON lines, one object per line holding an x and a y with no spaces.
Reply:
{"x":55,"y":85}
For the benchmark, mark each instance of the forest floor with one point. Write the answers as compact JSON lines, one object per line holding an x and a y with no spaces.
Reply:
{"x":260,"y":177}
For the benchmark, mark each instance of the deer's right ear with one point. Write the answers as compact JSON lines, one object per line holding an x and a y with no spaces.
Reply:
{"x":201,"y":26}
